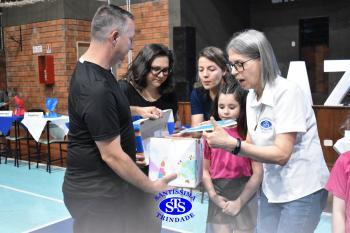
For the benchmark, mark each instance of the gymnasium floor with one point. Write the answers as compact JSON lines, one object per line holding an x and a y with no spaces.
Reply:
{"x":32,"y":201}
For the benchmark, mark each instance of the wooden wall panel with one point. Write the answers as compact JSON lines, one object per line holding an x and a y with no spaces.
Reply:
{"x":185,"y":112}
{"x":329,"y":120}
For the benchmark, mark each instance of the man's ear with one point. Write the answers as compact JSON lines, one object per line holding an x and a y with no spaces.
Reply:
{"x":114,"y":37}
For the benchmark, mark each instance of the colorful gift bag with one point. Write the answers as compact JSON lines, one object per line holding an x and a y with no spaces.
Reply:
{"x":183,"y":156}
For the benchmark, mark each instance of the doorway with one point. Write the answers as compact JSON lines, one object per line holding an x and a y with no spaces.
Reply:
{"x":314,"y":49}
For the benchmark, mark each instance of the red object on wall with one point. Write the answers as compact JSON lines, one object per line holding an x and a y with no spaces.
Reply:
{"x":46,"y":69}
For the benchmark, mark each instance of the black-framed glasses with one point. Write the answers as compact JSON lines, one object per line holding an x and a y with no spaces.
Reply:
{"x":239,"y":66}
{"x":156,"y":70}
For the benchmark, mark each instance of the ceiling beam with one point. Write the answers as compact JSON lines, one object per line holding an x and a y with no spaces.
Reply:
{"x":14,"y":3}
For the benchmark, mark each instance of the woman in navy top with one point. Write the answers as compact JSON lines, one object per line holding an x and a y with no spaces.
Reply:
{"x":212,"y":71}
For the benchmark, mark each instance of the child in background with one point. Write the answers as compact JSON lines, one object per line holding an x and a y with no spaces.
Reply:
{"x":339,"y":184}
{"x":231,"y":181}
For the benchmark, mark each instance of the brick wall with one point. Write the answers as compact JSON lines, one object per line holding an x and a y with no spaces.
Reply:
{"x":152,"y":26}
{"x":62,"y":35}
{"x":22,"y":64}
{"x":2,"y":71}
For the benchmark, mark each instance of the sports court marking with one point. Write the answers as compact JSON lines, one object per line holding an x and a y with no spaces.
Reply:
{"x":31,"y":194}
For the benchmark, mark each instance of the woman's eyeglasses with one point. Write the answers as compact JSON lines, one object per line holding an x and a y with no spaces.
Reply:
{"x":239,"y":66}
{"x":156,"y":70}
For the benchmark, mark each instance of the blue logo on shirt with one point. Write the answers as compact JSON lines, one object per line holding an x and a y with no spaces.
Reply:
{"x":265,"y":124}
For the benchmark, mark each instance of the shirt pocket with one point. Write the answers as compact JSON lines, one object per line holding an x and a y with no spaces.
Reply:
{"x":264,"y":132}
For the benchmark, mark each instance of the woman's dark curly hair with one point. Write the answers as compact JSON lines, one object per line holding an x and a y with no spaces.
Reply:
{"x":240,"y":95}
{"x":141,"y":66}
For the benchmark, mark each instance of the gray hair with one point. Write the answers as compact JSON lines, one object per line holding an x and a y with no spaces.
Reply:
{"x":254,"y":44}
{"x":108,"y":18}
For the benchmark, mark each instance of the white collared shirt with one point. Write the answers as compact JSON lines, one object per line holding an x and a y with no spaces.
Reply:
{"x":283,"y":108}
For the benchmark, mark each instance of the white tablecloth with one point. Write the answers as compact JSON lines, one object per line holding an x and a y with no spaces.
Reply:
{"x":36,"y":125}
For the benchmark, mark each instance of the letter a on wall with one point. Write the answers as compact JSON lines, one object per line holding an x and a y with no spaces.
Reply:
{"x":298,"y":74}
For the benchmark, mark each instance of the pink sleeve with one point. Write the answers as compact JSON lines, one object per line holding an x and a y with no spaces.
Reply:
{"x":207,"y":151}
{"x":337,"y":180}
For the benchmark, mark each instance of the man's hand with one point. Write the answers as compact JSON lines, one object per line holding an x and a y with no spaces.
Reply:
{"x":232,"y":207}
{"x":218,"y":138}
{"x":140,"y":160}
{"x":162,"y":184}
{"x":149,"y":112}
{"x":185,"y":135}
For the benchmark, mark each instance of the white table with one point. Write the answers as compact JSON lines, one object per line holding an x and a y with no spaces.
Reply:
{"x":36,"y":125}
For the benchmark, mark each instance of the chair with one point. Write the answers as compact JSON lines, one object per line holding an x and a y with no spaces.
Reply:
{"x":8,"y":122}
{"x":15,"y":138}
{"x":53,"y":135}
{"x":3,"y":146}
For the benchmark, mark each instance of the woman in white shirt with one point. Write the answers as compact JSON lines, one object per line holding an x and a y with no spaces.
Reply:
{"x":282,"y":133}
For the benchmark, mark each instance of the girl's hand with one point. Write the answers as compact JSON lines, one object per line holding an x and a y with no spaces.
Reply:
{"x":219,"y":138}
{"x":220,"y":201}
{"x":232,"y":207}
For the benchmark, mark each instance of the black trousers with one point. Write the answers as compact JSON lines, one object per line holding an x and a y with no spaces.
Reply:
{"x":102,"y":215}
{"x":142,"y":208}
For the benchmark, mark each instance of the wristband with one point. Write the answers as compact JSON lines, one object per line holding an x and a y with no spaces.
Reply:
{"x":237,"y":148}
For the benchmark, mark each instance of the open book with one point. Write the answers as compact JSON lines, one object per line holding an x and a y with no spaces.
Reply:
{"x":209,"y":127}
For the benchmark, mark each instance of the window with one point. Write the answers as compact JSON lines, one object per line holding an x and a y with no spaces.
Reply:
{"x":82,"y":46}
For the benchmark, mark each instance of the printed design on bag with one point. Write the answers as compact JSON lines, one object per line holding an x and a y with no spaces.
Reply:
{"x":265,"y":124}
{"x":182,"y":157}
{"x":175,"y":205}
{"x":186,"y":168}
{"x":162,"y":172}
